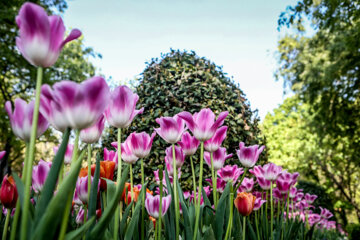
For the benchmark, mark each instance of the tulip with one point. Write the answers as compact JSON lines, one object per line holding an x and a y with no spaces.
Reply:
{"x":277,"y":194}
{"x":171,"y":128}
{"x":271,"y":171}
{"x":310,"y":198}
{"x":8,"y":192}
{"x":189,"y":144}
{"x":41,"y":37}
{"x":39,"y":175}
{"x":2,"y":154}
{"x":245,"y":203}
{"x":257,"y":171}
{"x":127,"y":189}
{"x":127,"y":154}
{"x":258,"y":203}
{"x":121,"y":110}
{"x":325,"y":213}
{"x":299,"y":196}
{"x":215,"y":141}
{"x":106,"y":171}
{"x":203,"y":124}
{"x":263,"y":183}
{"x":247,"y":185}
{"x":314,"y":218}
{"x":283,"y":183}
{"x":179,"y":156}
{"x":82,"y":189}
{"x":248,"y":156}
{"x":111,"y":156}
{"x":292,"y":192}
{"x":220,"y":184}
{"x":21,"y":119}
{"x":141,"y":143}
{"x":93,"y":133}
{"x":230,"y":173}
{"x":68,"y":153}
{"x":152,"y":204}
{"x":135,"y":192}
{"x":80,"y":216}
{"x":75,"y":105}
{"x":219,"y":157}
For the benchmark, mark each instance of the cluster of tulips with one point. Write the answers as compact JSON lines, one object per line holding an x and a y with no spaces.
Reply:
{"x":103,"y":204}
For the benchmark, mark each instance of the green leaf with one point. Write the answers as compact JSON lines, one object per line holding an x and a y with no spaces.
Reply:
{"x":78,"y":233}
{"x":170,"y":224}
{"x":251,"y":230}
{"x":209,"y":234}
{"x":187,"y":223}
{"x":124,"y":220}
{"x":220,"y":213}
{"x":20,"y":190}
{"x":93,"y":193}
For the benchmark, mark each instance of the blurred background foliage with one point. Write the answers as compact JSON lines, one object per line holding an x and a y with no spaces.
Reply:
{"x":182,"y":81}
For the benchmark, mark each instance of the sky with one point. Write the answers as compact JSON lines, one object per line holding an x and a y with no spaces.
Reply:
{"x":240,"y":35}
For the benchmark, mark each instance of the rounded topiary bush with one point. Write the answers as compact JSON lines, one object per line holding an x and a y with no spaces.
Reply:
{"x":182,"y":81}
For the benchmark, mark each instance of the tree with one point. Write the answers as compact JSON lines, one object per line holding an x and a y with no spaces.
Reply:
{"x":17,"y":76}
{"x":181,"y":81}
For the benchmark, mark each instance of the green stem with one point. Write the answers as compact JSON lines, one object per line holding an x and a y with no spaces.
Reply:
{"x":142,"y":199}
{"x":27,"y":191}
{"x":272,"y":211}
{"x":241,"y":180}
{"x":193,"y":177}
{"x":67,"y":209}
{"x":160,"y":203}
{"x":131,"y":188}
{"x":257,"y":226}
{"x":176,"y":197}
{"x":244,"y":229}
{"x":61,"y":173}
{"x":104,"y":199}
{"x":200,"y":189}
{"x":155,"y":231}
{"x":85,"y":213}
{"x":89,"y":169}
{"x":118,"y":214}
{"x":7,"y":219}
{"x":213,"y":179}
{"x":228,"y":230}
{"x":287,"y":206}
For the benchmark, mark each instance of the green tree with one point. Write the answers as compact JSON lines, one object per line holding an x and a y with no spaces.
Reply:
{"x":17,"y":76}
{"x":182,"y":81}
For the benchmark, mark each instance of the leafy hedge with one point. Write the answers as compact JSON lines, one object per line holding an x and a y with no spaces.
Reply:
{"x":179,"y":81}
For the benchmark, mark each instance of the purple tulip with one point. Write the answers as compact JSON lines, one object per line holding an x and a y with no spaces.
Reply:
{"x":80,"y":216}
{"x":41,"y":37}
{"x":215,"y":142}
{"x":325,"y":213}
{"x":170,"y":169}
{"x":203,"y":124}
{"x":299,"y":196}
{"x":179,"y":156}
{"x":111,"y":156}
{"x":186,"y":194}
{"x":68,"y":153}
{"x":93,"y":133}
{"x":171,"y":128}
{"x":314,"y":218}
{"x":82,"y":188}
{"x":292,"y":192}
{"x":229,"y":172}
{"x":219,"y":157}
{"x":257,"y":171}
{"x":258,"y":203}
{"x":220,"y":184}
{"x":141,"y":143}
{"x":248,"y":156}
{"x":121,"y":110}
{"x":189,"y":144}
{"x":157,"y":179}
{"x":21,"y":119}
{"x":127,"y":154}
{"x":152,"y":205}
{"x":310,"y":198}
{"x":285,"y":181}
{"x":271,"y":171}
{"x":263,"y":183}
{"x":277,"y":193}
{"x":247,"y":185}
{"x":74,"y":105}
{"x":39,"y":175}
{"x":76,"y":199}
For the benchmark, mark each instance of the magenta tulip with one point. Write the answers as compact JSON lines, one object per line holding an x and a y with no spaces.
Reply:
{"x":203,"y":124}
{"x":258,"y":203}
{"x":111,"y":156}
{"x":263,"y":183}
{"x":219,"y":158}
{"x":41,"y":37}
{"x":152,"y":205}
{"x":292,"y":192}
{"x":82,"y":189}
{"x":189,"y":144}
{"x":325,"y":213}
{"x":310,"y":198}
{"x":68,"y":153}
{"x":230,"y":173}
{"x":171,"y":128}
{"x":93,"y":133}
{"x":248,"y":156}
{"x":283,"y":184}
{"x":74,"y":105}
{"x":179,"y":156}
{"x":247,"y":185}
{"x":271,"y":171}
{"x":80,"y":216}
{"x":141,"y":143}
{"x":39,"y":175}
{"x":127,"y":154}
{"x":121,"y":110}
{"x":21,"y":119}
{"x":215,"y":142}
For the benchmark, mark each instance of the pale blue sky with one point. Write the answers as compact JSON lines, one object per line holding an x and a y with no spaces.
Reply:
{"x":239,"y":35}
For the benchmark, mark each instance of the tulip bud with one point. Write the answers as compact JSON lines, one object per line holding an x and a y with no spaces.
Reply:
{"x":8,"y":192}
{"x":244,"y":203}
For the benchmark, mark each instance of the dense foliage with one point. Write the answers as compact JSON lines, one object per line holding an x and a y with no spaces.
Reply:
{"x":182,"y":81}
{"x":320,"y":62}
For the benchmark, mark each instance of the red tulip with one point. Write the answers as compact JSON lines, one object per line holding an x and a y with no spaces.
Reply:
{"x":244,"y":203}
{"x":8,"y":192}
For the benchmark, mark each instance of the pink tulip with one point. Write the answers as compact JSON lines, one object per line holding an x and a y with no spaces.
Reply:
{"x":219,"y":157}
{"x":189,"y":144}
{"x":314,"y":218}
{"x":203,"y":124}
{"x":248,"y":156}
{"x":230,"y":173}
{"x":171,"y":128}
{"x":263,"y":183}
{"x":292,"y":192}
{"x":299,"y":196}
{"x":152,"y":205}
{"x":220,"y":184}
{"x":127,"y":154}
{"x":41,"y":37}
{"x":74,"y":105}
{"x":111,"y":156}
{"x":310,"y":198}
{"x":93,"y":133}
{"x":39,"y":175}
{"x":247,"y":185}
{"x":68,"y":153}
{"x":141,"y":143}
{"x":284,"y":182}
{"x":277,"y":194}
{"x":271,"y":171}
{"x":179,"y":156}
{"x":82,"y":188}
{"x":215,"y":142}
{"x":21,"y":119}
{"x":325,"y":213}
{"x":258,"y":203}
{"x":121,"y":110}
{"x":80,"y":216}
